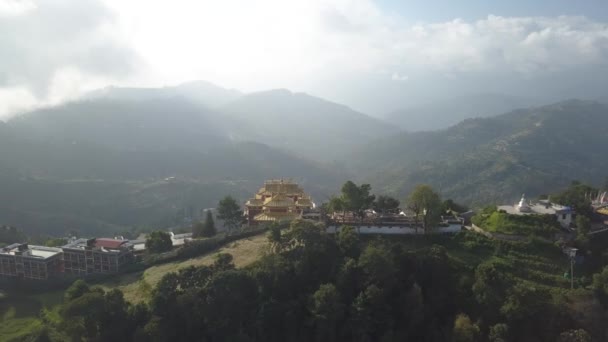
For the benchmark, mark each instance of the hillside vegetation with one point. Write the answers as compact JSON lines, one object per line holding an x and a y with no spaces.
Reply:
{"x":312,"y":285}
{"x":494,"y":160}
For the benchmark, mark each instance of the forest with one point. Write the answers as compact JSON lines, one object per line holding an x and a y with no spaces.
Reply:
{"x":312,"y":286}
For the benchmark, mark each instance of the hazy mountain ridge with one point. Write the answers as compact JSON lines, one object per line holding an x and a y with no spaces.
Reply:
{"x":486,"y":160}
{"x":298,"y":122}
{"x":119,"y":152}
{"x":86,"y":164}
{"x":200,"y":92}
{"x":444,"y":113}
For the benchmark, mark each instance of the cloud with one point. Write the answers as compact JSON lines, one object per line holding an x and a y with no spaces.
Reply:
{"x":55,"y":49}
{"x":40,"y":40}
{"x":15,"y":7}
{"x":398,"y":77}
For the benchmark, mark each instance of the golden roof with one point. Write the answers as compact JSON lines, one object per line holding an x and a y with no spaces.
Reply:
{"x":255,"y":202}
{"x":304,"y":202}
{"x":271,"y":217}
{"x":278,"y":200}
{"x":281,"y":186}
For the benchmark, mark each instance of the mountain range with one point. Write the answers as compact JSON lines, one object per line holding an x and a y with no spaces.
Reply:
{"x":493,"y":160}
{"x":130,"y":157}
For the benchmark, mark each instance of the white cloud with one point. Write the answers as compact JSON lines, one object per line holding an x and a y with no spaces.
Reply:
{"x":15,"y":7}
{"x":254,"y":45}
{"x":398,"y":77}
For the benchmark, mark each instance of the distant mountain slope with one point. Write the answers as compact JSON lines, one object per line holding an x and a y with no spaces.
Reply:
{"x":445,"y":113}
{"x":301,"y":123}
{"x":199,"y":92}
{"x":122,"y":124}
{"x":103,"y":164}
{"x":487,"y":160}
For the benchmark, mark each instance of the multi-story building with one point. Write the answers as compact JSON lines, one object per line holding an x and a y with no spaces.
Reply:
{"x":23,"y":261}
{"x":89,"y":256}
{"x":278,"y":200}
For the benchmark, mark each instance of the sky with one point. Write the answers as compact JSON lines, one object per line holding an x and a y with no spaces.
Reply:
{"x":375,"y":56}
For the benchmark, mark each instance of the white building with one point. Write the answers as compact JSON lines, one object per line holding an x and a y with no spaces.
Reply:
{"x":563,"y":214}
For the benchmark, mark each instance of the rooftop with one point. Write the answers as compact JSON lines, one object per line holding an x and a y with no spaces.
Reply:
{"x":104,"y":244}
{"x":32,"y":251}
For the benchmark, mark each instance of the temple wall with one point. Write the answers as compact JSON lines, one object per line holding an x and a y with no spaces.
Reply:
{"x":388,"y":230}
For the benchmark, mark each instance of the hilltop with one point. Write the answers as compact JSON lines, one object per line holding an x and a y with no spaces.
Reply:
{"x":490,"y":160}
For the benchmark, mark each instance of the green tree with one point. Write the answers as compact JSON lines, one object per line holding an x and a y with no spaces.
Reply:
{"x":230,"y":212}
{"x":578,"y":335}
{"x":208,"y":228}
{"x":55,"y":242}
{"x":464,"y":330}
{"x":425,"y":203}
{"x":577,"y":197}
{"x":583,"y":225}
{"x":498,"y":333}
{"x":348,"y":241}
{"x":327,"y":311}
{"x":386,"y":204}
{"x":77,"y":289}
{"x":450,"y":205}
{"x":223,"y":262}
{"x":357,"y":199}
{"x":600,"y":283}
{"x":159,"y":242}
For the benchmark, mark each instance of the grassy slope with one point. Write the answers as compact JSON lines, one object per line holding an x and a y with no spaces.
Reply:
{"x":135,"y":286}
{"x":19,"y":314}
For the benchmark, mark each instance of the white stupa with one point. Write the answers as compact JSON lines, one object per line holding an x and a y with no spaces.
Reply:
{"x":522,"y":206}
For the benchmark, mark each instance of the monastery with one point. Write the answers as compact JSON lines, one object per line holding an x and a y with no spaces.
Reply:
{"x":278,"y":200}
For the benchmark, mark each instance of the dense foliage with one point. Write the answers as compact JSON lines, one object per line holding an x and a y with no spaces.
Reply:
{"x":495,"y":159}
{"x":319,"y":287}
{"x":158,"y":242}
{"x":230,"y":212}
{"x":205,"y":229}
{"x":495,"y":221}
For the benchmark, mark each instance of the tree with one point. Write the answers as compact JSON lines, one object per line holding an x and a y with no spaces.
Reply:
{"x":229,"y":211}
{"x":357,"y":199}
{"x":464,"y":329}
{"x":425,"y":203}
{"x":327,"y":311}
{"x":600,"y":284}
{"x":348,"y":242}
{"x":336,"y":204}
{"x":576,"y":196}
{"x":578,"y":335}
{"x":450,"y":205}
{"x":583,"y":226}
{"x":159,"y":242}
{"x":386,"y":204}
{"x":498,"y":333}
{"x":77,"y":289}
{"x":55,"y":242}
{"x":208,"y":228}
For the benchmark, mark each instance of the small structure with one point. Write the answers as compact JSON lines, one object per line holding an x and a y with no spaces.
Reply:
{"x":279,"y":200}
{"x":563,"y":214}
{"x":101,"y":255}
{"x":180,"y":239}
{"x":24,"y":261}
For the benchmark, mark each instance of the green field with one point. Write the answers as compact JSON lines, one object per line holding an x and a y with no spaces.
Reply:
{"x":19,"y":314}
{"x":136,"y":286}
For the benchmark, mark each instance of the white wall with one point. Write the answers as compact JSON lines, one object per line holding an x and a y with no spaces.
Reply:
{"x":387,"y":230}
